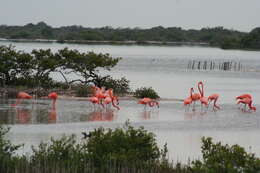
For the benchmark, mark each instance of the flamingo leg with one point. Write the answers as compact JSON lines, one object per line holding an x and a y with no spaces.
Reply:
{"x":193,"y":106}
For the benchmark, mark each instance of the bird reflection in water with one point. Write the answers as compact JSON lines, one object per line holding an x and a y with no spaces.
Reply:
{"x":52,"y":116}
{"x":107,"y":115}
{"x":192,"y":115}
{"x":151,"y":114}
{"x":23,"y":116}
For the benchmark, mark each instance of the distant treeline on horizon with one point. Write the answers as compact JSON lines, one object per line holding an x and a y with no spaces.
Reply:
{"x":216,"y":36}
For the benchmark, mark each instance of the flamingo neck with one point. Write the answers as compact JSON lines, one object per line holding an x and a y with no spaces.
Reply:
{"x":191,"y":92}
{"x":201,"y":90}
{"x":250,"y":105}
{"x":114,"y":105}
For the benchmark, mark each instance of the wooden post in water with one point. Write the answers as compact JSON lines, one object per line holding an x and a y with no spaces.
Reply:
{"x":193,"y":63}
{"x":199,"y":65}
{"x":205,"y":65}
{"x":189,"y":64}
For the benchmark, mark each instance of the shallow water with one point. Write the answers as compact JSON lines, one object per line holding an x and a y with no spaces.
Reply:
{"x":165,"y":69}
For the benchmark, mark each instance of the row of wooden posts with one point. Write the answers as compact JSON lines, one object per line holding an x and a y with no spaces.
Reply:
{"x":212,"y":65}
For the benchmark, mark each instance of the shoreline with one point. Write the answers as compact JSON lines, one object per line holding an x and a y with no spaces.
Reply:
{"x":130,"y":42}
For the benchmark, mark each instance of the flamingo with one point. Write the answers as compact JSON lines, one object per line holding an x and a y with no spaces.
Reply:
{"x":53,"y":96}
{"x":100,"y":94}
{"x":114,"y":99}
{"x":94,"y":100}
{"x":214,"y":97}
{"x":195,"y":97}
{"x":244,"y":96}
{"x":203,"y":100}
{"x":188,"y":100}
{"x":247,"y":101}
{"x":107,"y":100}
{"x":20,"y":97}
{"x":148,"y":101}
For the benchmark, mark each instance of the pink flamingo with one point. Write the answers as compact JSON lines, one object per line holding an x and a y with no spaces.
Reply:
{"x":244,"y":96}
{"x":148,"y":101}
{"x":114,"y":99}
{"x":20,"y":97}
{"x":247,"y":101}
{"x":195,"y":97}
{"x":203,"y":100}
{"x":94,"y":100}
{"x":107,"y":100}
{"x":188,"y":101}
{"x":53,"y":96}
{"x":214,"y":97}
{"x":100,"y":94}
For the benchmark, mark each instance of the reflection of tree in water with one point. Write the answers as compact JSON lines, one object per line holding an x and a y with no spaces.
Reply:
{"x":151,"y":114}
{"x":107,"y":115}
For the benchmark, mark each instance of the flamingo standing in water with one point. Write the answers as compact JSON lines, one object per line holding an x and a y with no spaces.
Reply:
{"x":243,"y":96}
{"x":195,"y":97}
{"x":100,"y":94}
{"x":20,"y":97}
{"x":114,"y":99}
{"x":203,"y":100}
{"x":53,"y":96}
{"x":148,"y":101}
{"x":247,"y":101}
{"x":214,"y":97}
{"x":188,"y":101}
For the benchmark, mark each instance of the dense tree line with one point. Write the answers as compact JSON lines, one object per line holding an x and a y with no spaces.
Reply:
{"x":217,"y":36}
{"x":33,"y":69}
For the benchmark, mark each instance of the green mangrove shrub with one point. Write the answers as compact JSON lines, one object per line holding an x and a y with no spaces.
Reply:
{"x":224,"y":158}
{"x":7,"y":151}
{"x":119,"y":86}
{"x":83,"y":90}
{"x":146,"y":92}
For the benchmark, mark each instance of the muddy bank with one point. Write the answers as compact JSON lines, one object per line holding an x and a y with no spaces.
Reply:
{"x":63,"y":94}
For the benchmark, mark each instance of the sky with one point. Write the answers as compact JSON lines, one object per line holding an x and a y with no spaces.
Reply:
{"x":242,"y":15}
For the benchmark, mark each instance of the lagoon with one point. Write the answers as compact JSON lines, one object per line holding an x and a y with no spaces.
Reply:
{"x":165,"y":69}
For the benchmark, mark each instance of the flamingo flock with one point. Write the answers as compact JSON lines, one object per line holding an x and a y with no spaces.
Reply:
{"x":105,"y":99}
{"x":245,"y":99}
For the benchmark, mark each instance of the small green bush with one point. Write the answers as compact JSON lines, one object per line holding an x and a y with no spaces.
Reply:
{"x":146,"y":92}
{"x":83,"y":90}
{"x":224,"y":158}
{"x":119,"y":86}
{"x":124,"y":144}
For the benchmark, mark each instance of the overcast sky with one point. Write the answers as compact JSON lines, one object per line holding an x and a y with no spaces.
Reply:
{"x":242,"y":15}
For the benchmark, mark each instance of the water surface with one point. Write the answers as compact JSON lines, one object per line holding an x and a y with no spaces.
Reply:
{"x":165,"y":69}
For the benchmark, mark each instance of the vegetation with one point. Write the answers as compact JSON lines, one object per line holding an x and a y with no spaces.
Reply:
{"x":126,"y":149}
{"x":33,"y":69}
{"x":225,"y":158}
{"x":146,"y":92}
{"x":217,"y":36}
